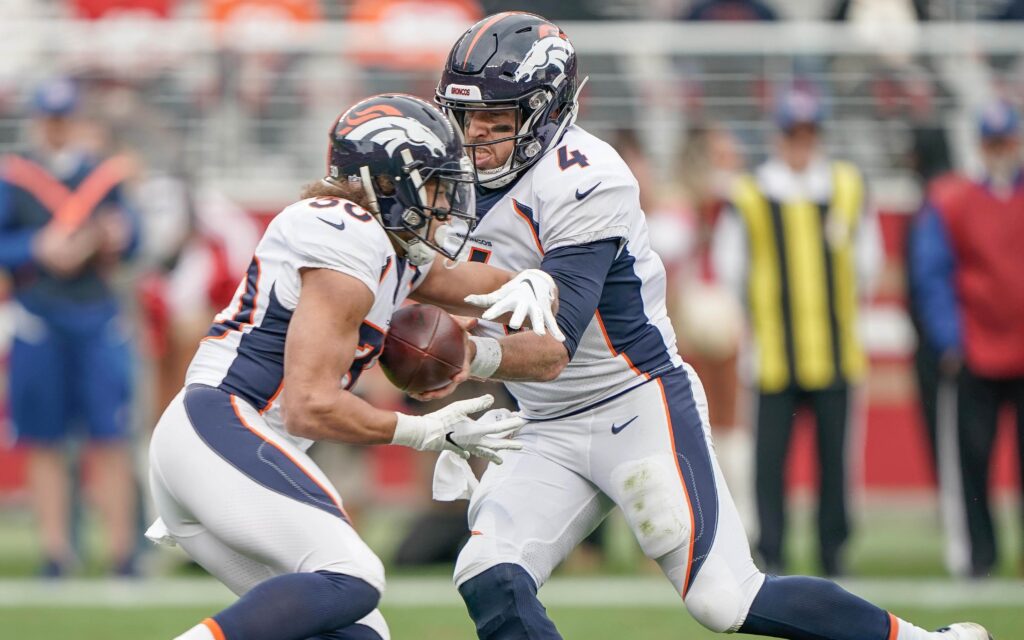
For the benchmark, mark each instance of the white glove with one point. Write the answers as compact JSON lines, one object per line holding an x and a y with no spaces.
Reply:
{"x":531,"y":293}
{"x":451,"y":429}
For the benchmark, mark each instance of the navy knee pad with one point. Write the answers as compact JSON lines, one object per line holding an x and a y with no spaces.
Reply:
{"x":296,"y":606}
{"x":503,"y":603}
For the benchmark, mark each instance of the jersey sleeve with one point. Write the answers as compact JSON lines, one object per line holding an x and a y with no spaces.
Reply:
{"x":331,"y":238}
{"x":591,"y":199}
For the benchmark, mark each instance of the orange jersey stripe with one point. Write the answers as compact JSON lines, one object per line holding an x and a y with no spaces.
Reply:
{"x":273,"y":398}
{"x":608,"y":341}
{"x":529,"y":223}
{"x":686,"y":493}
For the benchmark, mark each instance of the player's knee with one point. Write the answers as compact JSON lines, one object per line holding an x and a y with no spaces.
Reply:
{"x":717,"y":599}
{"x":482,"y":553}
{"x":503,"y":604}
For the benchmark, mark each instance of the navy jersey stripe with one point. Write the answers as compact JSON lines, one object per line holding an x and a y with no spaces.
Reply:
{"x":217,"y":421}
{"x":579,"y":271}
{"x":246,"y":311}
{"x":258,"y":367}
{"x":695,"y":467}
{"x":626,"y":325}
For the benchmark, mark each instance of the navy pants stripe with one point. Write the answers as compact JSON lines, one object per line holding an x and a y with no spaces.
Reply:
{"x":695,"y":467}
{"x":216,"y":418}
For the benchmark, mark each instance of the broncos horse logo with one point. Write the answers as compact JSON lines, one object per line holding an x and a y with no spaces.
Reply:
{"x":549,"y":50}
{"x":385,"y":125}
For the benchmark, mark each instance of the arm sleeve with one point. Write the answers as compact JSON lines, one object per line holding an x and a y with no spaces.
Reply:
{"x":15,"y":244}
{"x":580,"y":272}
{"x":931,"y":271}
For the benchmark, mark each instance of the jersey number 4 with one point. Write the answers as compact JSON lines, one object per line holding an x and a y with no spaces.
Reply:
{"x":567,"y":158}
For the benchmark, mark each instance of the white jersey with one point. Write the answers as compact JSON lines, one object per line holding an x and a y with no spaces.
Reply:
{"x":579,"y":192}
{"x":243,"y":353}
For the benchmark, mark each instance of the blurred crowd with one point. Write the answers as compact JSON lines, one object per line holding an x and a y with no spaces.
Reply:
{"x":135,"y":187}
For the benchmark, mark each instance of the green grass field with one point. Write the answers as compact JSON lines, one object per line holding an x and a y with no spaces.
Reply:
{"x":439,"y":623}
{"x":895,"y":559}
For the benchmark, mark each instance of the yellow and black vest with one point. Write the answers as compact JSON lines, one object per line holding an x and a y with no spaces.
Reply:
{"x":801,"y":283}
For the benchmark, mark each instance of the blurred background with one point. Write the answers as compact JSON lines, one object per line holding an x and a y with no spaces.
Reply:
{"x":207,"y":116}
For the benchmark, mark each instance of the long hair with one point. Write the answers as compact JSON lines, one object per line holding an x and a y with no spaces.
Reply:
{"x":349,"y":191}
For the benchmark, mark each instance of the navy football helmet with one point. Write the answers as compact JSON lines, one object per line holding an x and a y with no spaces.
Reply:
{"x":512,"y":61}
{"x":393,"y":146}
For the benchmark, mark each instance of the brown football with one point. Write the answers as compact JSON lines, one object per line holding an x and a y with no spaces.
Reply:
{"x":424,"y":349}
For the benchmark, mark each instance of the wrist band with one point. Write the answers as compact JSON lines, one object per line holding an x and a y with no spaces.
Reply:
{"x":408,"y":432}
{"x":487,"y":358}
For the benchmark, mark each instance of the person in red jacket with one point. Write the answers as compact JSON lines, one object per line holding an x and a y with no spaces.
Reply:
{"x":968,"y":264}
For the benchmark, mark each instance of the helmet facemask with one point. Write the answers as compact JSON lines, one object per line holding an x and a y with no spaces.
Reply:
{"x":406,"y":204}
{"x":540,"y":119}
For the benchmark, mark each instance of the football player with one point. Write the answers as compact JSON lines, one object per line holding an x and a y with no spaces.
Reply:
{"x":616,"y":418}
{"x":229,"y":474}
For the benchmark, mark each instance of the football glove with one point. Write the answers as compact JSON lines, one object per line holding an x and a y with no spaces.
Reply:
{"x":451,"y":429}
{"x":531,"y":293}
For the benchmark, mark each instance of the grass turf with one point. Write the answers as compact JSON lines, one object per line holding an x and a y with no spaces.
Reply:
{"x":437,"y":623}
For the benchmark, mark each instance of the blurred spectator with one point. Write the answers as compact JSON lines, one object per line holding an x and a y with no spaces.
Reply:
{"x":64,"y":228}
{"x":731,"y":10}
{"x":802,"y":245}
{"x":936,"y":386}
{"x":201,"y":244}
{"x":968,"y":265}
{"x":707,"y":313}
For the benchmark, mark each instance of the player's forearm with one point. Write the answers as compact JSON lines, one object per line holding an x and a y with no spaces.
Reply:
{"x":335,"y":414}
{"x":448,"y":287}
{"x":527,"y":356}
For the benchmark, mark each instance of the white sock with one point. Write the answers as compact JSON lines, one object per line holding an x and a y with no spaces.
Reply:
{"x":202,"y":632}
{"x":908,"y":631}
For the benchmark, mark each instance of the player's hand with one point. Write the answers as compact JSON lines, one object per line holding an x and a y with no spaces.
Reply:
{"x":467,"y":324}
{"x":487,"y":436}
{"x":450,"y":428}
{"x":531,"y":294}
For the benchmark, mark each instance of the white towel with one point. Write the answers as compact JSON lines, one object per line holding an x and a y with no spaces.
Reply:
{"x":158,"y":534}
{"x":453,"y":477}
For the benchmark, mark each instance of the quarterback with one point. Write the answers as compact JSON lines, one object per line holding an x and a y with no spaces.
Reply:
{"x":230,"y":477}
{"x":616,"y":418}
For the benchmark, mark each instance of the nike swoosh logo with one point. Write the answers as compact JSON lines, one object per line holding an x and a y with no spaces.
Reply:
{"x":340,"y":226}
{"x":580,"y":196}
{"x":617,"y":429}
{"x":448,"y":438}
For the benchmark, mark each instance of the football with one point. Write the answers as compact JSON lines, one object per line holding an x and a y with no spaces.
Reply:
{"x":423,"y":350}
